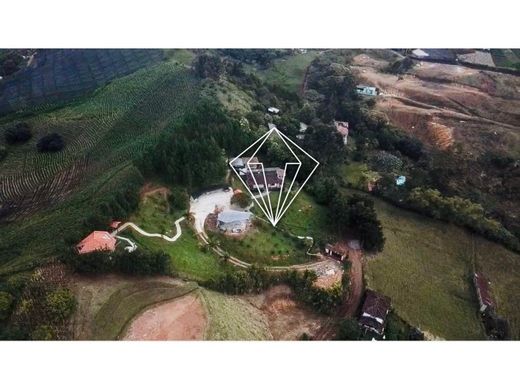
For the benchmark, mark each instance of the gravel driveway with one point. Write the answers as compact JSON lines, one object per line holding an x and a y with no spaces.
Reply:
{"x":205,"y":204}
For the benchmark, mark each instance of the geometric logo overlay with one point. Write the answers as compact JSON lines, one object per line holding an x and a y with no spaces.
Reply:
{"x":275,"y":185}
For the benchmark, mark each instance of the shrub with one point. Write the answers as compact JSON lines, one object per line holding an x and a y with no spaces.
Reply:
{"x":50,"y":143}
{"x":349,"y":330}
{"x":6,"y":302}
{"x":19,"y":133}
{"x":241,"y":199}
{"x":60,"y":304}
{"x":3,"y":152}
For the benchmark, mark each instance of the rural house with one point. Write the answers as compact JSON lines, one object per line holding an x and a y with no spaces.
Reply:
{"x":483,"y":293}
{"x":374,"y":312}
{"x":241,"y":163}
{"x":335,"y":252}
{"x":98,"y":240}
{"x":273,"y":110}
{"x":302,"y":130}
{"x":233,"y":221}
{"x":273,"y":179}
{"x":342,"y":129}
{"x":366,"y":90}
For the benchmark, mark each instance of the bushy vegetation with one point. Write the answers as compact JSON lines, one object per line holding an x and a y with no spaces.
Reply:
{"x":18,"y":134}
{"x":255,"y":280}
{"x":50,"y":143}
{"x":193,"y":152}
{"x":138,"y":262}
{"x":241,"y":199}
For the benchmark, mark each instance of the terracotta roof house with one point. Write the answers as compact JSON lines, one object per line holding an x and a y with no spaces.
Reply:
{"x":374,"y":312}
{"x":335,"y":252}
{"x":273,"y":179}
{"x":342,"y":129}
{"x":483,"y":293}
{"x":233,"y":221}
{"x":98,"y":240}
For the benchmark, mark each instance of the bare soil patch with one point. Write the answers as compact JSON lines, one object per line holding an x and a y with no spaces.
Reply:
{"x":287,"y":318}
{"x":181,"y":319}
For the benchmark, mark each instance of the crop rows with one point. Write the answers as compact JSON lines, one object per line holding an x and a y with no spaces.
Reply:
{"x":104,"y":131}
{"x":58,"y":75}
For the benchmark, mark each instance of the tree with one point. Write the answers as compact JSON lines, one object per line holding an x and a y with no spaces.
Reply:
{"x":19,"y":133}
{"x":208,"y":66}
{"x":6,"y":302}
{"x":241,"y":199}
{"x":60,"y":304}
{"x":349,"y":330}
{"x":50,"y":143}
{"x":43,"y":332}
{"x":3,"y":152}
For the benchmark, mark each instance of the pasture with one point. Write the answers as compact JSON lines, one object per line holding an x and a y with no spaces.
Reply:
{"x":426,"y":268}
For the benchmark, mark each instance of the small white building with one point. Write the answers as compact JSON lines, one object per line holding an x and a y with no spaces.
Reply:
{"x":273,"y":110}
{"x":366,"y":90}
{"x":232,"y":221}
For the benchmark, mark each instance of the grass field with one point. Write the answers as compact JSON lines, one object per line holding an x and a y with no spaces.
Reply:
{"x":233,"y":318}
{"x":187,"y":258}
{"x":426,"y":269}
{"x":125,"y":303}
{"x":289,"y":72}
{"x":264,"y":245}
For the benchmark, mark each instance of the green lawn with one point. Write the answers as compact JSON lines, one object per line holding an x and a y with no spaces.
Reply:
{"x":125,"y":303}
{"x":187,"y":258}
{"x":263,"y":244}
{"x":426,"y":269}
{"x":233,"y":318}
{"x":289,"y":72}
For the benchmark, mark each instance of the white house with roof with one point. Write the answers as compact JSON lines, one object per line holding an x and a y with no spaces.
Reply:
{"x":232,"y":221}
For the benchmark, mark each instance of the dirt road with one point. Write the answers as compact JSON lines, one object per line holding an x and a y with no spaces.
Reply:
{"x":350,"y":307}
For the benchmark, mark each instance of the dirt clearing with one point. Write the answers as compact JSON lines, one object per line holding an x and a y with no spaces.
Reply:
{"x":181,"y":319}
{"x":287,"y":319}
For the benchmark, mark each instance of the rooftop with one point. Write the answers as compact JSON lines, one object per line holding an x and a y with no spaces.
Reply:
{"x":229,"y":216}
{"x":98,"y":240}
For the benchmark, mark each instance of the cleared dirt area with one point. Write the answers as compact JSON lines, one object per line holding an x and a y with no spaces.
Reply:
{"x":442,"y":104}
{"x":287,"y":319}
{"x":181,"y":319}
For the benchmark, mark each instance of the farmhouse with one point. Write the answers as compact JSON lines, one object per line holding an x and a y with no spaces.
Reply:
{"x":374,"y":312}
{"x":336,"y":252}
{"x":483,"y":293}
{"x":233,"y":221}
{"x":342,"y":129}
{"x":241,"y":163}
{"x":273,"y":179}
{"x":366,"y":90}
{"x":98,"y":240}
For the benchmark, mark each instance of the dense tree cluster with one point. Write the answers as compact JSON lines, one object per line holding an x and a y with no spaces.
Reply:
{"x":357,"y":213}
{"x":138,"y":262}
{"x":262,"y":57}
{"x":256,"y":279}
{"x":208,"y":66}
{"x":460,"y":211}
{"x":193,"y":153}
{"x":17,"y":134}
{"x":50,"y":143}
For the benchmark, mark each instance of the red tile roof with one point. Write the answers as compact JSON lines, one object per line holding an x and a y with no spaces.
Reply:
{"x":341,"y":127}
{"x":482,"y":286}
{"x":98,"y":240}
{"x":115,"y":224}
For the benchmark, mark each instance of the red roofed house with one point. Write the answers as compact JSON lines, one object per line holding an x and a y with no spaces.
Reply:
{"x":342,"y":128}
{"x":115,"y":224}
{"x":483,"y":293}
{"x":374,"y":312}
{"x":97,"y":241}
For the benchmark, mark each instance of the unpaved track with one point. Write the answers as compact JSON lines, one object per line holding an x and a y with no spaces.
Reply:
{"x":351,"y":305}
{"x":146,"y":234}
